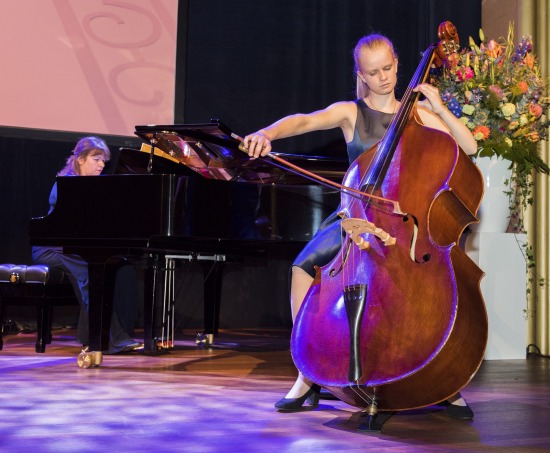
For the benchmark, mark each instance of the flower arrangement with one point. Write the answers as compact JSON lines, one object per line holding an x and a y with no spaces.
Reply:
{"x":497,"y":90}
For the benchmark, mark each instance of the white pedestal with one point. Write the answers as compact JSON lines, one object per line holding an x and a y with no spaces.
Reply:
{"x":500,"y":256}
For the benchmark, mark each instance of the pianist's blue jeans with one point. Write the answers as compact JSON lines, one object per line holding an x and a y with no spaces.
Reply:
{"x":125,"y":298}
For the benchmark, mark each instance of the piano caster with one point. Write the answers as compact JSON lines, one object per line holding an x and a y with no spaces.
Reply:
{"x":87,"y":359}
{"x":204,"y":340}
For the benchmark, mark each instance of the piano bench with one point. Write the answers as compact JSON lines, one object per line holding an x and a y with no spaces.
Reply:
{"x":37,"y":285}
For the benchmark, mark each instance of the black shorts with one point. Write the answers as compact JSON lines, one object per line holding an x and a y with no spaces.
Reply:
{"x":323,"y":247}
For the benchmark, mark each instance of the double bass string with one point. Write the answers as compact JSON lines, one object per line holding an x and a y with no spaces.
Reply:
{"x":372,"y":180}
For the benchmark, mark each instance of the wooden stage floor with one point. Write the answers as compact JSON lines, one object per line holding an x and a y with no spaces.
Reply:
{"x":221,"y":400}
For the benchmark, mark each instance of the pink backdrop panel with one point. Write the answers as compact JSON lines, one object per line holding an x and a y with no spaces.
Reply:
{"x":98,"y":66}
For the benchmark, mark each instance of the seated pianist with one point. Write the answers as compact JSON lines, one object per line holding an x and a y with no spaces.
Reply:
{"x":88,"y":159}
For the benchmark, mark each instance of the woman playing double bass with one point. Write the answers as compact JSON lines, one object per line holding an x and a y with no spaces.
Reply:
{"x":363,"y":123}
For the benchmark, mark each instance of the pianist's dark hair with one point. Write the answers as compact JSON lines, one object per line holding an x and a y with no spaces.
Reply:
{"x":85,"y":146}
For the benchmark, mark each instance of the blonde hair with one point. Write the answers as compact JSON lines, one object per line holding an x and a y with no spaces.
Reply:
{"x":374,"y":41}
{"x":84,"y":147}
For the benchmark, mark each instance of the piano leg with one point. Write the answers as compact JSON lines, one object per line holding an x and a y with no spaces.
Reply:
{"x":212,"y":273}
{"x":103,"y":265}
{"x":100,"y":310}
{"x":152,"y":275}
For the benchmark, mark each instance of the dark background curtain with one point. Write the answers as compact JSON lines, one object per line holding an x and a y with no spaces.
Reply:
{"x":247,"y":63}
{"x":251,"y":63}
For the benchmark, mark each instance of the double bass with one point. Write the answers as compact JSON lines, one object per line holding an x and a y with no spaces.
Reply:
{"x":397,"y":320}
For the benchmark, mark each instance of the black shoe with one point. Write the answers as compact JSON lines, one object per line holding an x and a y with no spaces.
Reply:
{"x":134,"y":346}
{"x":295,"y":404}
{"x":326,"y":395}
{"x":456,"y":411}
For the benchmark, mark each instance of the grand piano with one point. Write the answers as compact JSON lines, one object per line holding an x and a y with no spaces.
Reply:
{"x":189,"y":192}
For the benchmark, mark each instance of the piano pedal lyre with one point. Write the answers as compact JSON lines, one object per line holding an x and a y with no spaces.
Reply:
{"x":167,"y":337}
{"x":203,"y":339}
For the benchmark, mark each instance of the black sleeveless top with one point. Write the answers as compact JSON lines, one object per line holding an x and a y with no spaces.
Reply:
{"x":370,"y":127}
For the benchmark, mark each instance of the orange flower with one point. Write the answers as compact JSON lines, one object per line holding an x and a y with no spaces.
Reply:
{"x":493,"y":49}
{"x":481,"y":132}
{"x":529,"y":60}
{"x":523,"y":87}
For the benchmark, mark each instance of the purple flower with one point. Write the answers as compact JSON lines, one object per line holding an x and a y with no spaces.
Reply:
{"x":454,"y":106}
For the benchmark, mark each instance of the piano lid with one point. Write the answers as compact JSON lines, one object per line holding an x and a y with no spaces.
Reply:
{"x":212,"y":150}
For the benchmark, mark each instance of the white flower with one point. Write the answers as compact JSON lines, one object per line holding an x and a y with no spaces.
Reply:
{"x":508,"y":109}
{"x":523,"y":120}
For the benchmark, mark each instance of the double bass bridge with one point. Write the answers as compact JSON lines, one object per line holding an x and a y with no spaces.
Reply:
{"x":355,"y":228}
